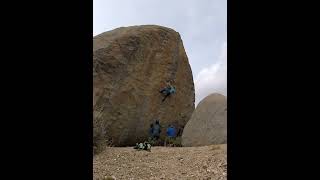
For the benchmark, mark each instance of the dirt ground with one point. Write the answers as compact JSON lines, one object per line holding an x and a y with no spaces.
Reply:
{"x":207,"y":162}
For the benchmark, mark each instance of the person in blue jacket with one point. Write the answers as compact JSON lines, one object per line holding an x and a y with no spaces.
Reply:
{"x":171,"y":135}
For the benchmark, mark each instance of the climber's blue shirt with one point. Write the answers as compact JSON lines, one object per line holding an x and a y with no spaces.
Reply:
{"x":172,"y":90}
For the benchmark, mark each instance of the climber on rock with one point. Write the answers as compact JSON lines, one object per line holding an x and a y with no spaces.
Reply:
{"x":167,"y":91}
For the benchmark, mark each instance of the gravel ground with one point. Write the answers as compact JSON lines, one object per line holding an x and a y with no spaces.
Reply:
{"x":206,"y":162}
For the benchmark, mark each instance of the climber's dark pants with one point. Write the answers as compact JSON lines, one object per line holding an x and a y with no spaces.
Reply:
{"x":168,"y":94}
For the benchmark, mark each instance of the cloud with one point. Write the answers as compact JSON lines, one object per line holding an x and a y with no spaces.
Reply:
{"x":213,"y":79}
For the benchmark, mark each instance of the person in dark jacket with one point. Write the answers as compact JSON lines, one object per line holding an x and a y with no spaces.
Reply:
{"x":156,"y":130}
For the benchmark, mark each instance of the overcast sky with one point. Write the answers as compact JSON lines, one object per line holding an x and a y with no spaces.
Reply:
{"x":201,"y":24}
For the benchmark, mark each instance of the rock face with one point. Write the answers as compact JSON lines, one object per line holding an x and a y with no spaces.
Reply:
{"x":208,"y":124}
{"x":130,"y":66}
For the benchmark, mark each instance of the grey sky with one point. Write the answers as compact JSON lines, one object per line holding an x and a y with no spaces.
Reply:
{"x":201,"y":24}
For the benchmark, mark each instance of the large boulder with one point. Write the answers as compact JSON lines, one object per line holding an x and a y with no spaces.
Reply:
{"x":130,"y":66}
{"x":208,"y":124}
